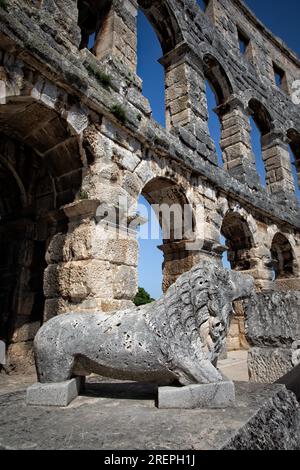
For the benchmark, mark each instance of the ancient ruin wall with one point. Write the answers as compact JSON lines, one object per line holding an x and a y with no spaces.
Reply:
{"x":76,"y":131}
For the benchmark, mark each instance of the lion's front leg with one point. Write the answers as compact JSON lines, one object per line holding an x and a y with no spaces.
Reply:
{"x":190,"y":372}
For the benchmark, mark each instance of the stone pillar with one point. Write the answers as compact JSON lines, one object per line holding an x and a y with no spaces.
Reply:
{"x":235,"y":142}
{"x":186,"y":104}
{"x":90,"y":267}
{"x":118,"y":35}
{"x":181,"y":256}
{"x":277,"y":161}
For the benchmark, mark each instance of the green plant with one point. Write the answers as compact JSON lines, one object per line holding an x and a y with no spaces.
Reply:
{"x":83,"y":195}
{"x":142,"y":297}
{"x":102,"y":77}
{"x":119,"y":112}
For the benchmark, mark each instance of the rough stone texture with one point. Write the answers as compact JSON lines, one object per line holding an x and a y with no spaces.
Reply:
{"x":272,"y":330}
{"x":54,"y":394}
{"x":218,"y":395}
{"x":267,"y":365}
{"x":179,"y":337}
{"x":123,"y":416}
{"x":292,"y":381}
{"x":60,"y":99}
{"x":273,"y":319}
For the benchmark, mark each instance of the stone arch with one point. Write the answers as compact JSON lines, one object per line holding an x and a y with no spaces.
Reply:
{"x":217,"y":84}
{"x":163,"y":19}
{"x":175,"y":216}
{"x":261,"y":116}
{"x":261,"y":142}
{"x":239,"y":233}
{"x":283,"y":257}
{"x":219,"y":79}
{"x":41,"y":163}
{"x":98,"y":18}
{"x":239,"y":240}
{"x":93,"y":19}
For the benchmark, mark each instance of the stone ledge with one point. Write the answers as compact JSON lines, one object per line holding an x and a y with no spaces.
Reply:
{"x":117,"y":415}
{"x":216,"y":395}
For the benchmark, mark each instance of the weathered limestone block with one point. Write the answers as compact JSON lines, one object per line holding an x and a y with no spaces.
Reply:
{"x":25,"y":331}
{"x":20,"y":356}
{"x":272,"y":327}
{"x":123,"y":251}
{"x":275,"y":425}
{"x":273,"y":319}
{"x":218,"y":395}
{"x":54,"y":394}
{"x":78,"y":280}
{"x":266,"y":365}
{"x":58,"y":306}
{"x":125,"y":284}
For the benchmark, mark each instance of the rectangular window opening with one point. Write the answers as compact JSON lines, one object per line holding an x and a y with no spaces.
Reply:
{"x":279,"y":75}
{"x":203,"y":4}
{"x":244,"y":42}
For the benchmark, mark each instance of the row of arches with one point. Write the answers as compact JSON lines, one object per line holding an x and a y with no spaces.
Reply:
{"x":256,"y":128}
{"x":237,"y":234}
{"x":157,"y":35}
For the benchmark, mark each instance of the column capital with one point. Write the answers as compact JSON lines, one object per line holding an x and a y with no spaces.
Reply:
{"x":182,"y":52}
{"x":274,"y":137}
{"x":84,"y":208}
{"x":232,"y":103}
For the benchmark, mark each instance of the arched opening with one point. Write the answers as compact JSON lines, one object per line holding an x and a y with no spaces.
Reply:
{"x":148,"y":67}
{"x":239,"y":242}
{"x":283,"y":259}
{"x":94,"y":22}
{"x":236,"y":235}
{"x":218,"y":91}
{"x":214,"y":124}
{"x":40,"y":171}
{"x":294,"y":149}
{"x":23,"y":181}
{"x":217,"y":77}
{"x":203,"y":4}
{"x":151,"y":258}
{"x":260,"y":122}
{"x":164,"y":22}
{"x":174,"y":214}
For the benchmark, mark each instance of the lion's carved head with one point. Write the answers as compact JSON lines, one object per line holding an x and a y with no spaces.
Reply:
{"x":197,"y":310}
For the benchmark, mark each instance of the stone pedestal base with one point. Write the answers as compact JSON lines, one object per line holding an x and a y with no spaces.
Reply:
{"x":54,"y":394}
{"x":216,"y":395}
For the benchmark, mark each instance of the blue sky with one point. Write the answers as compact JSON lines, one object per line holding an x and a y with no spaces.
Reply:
{"x":283,"y":19}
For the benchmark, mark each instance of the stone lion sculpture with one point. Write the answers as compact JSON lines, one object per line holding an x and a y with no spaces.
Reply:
{"x":179,"y":337}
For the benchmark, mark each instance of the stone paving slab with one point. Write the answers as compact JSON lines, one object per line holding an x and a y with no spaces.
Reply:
{"x":114,"y":415}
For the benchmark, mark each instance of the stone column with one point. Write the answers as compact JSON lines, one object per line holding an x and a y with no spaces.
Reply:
{"x":90,"y":267}
{"x":186,"y":104}
{"x":118,"y":35}
{"x":181,"y":256}
{"x":235,"y":141}
{"x":277,"y":161}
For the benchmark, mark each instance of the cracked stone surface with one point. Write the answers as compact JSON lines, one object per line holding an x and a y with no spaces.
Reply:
{"x":118,"y":415}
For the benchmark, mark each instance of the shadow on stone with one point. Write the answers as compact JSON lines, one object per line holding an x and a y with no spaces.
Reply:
{"x":292,"y":381}
{"x":121,"y":391}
